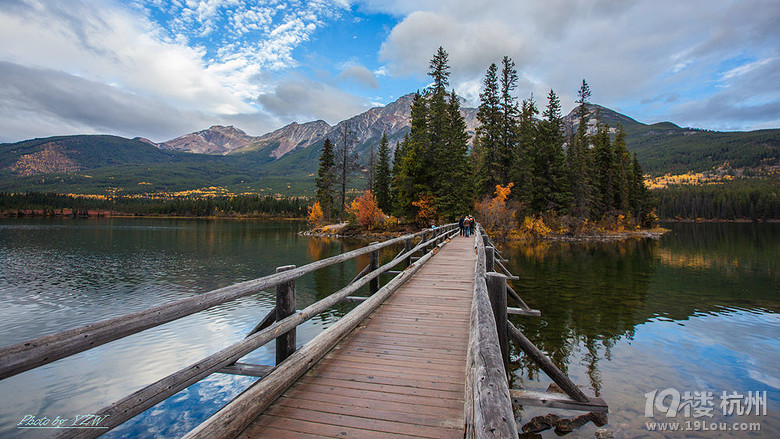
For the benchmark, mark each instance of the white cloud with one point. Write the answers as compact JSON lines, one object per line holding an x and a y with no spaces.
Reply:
{"x":301,"y":99}
{"x":359,"y":74}
{"x":628,"y":51}
{"x":171,"y":65}
{"x":110,"y":44}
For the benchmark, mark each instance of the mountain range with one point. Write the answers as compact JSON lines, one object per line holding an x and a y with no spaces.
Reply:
{"x":284,"y":161}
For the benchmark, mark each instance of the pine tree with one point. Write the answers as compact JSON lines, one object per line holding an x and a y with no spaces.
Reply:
{"x":641,"y":203}
{"x":604,"y":176}
{"x":383,"y":176}
{"x":549,"y":188}
{"x":522,"y":171}
{"x":487,"y":144}
{"x":578,"y":158}
{"x":622,"y":170}
{"x":326,"y":179}
{"x":455,"y":185}
{"x":438,"y":125}
{"x":509,"y":114}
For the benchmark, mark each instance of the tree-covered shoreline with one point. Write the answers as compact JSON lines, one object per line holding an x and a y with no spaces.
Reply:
{"x":52,"y":204}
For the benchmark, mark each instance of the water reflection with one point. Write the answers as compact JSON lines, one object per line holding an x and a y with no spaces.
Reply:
{"x":59,"y":274}
{"x":694,"y":311}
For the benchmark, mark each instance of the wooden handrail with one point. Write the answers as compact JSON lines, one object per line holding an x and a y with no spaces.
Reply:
{"x":130,"y":406}
{"x":30,"y":354}
{"x":488,"y":409}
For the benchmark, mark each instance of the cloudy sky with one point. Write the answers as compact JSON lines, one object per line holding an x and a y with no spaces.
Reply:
{"x":162,"y":68}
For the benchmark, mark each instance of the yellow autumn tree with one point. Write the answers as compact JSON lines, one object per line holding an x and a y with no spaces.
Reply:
{"x":496,"y":217}
{"x":315,"y":214}
{"x":426,"y":210}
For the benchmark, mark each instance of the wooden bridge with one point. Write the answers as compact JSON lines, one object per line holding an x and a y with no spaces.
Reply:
{"x":424,"y":355}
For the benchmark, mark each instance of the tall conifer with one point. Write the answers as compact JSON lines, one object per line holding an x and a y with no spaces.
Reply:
{"x":326,"y":179}
{"x":383,"y":177}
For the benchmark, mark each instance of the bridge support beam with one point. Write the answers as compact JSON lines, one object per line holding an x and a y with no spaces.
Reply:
{"x":285,"y":306}
{"x":490,"y":258}
{"x":373,"y":264}
{"x":407,"y":247}
{"x":496,"y":286}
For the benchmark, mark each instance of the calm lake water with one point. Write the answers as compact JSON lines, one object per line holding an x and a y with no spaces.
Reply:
{"x":695,"y":311}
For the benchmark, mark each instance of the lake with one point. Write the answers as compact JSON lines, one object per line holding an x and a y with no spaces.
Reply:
{"x":696,"y":311}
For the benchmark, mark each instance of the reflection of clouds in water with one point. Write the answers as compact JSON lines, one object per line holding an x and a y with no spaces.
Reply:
{"x":182,"y":412}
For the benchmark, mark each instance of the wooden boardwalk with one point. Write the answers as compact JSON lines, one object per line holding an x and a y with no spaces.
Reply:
{"x":401,"y":373}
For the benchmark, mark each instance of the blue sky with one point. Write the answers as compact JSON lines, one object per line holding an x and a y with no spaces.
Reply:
{"x":163,"y":68}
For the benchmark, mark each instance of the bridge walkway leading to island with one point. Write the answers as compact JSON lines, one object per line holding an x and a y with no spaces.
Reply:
{"x":400,"y":373}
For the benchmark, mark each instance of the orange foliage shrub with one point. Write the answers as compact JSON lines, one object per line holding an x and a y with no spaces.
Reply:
{"x":366,"y":210}
{"x":426,"y":210}
{"x":315,"y":214}
{"x":496,"y":217}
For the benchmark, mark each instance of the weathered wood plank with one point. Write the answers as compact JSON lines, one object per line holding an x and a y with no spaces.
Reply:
{"x":544,"y":363}
{"x":328,"y":430}
{"x":557,"y":400}
{"x":411,"y":401}
{"x":523,"y":312}
{"x":285,"y":307}
{"x":408,"y":406}
{"x":254,"y":370}
{"x":398,"y":428}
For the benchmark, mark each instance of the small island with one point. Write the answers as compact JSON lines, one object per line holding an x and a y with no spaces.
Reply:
{"x":523,"y":177}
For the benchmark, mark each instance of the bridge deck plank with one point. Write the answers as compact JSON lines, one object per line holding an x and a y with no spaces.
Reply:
{"x":401,"y":373}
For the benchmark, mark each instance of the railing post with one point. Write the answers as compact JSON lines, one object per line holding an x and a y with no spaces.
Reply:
{"x":490,"y":255}
{"x":373,"y":264}
{"x":407,"y":247}
{"x":285,"y":306}
{"x":496,"y":286}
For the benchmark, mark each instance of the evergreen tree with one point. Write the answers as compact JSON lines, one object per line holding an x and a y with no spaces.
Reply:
{"x":604,"y":173}
{"x":455,"y":186}
{"x":383,"y":177}
{"x":622,"y":170}
{"x":549,"y":188}
{"x":437,"y":153}
{"x":509,"y":115}
{"x":432,"y":159}
{"x":326,"y":179}
{"x":522,"y":171}
{"x":487,"y":144}
{"x":578,"y":158}
{"x":641,"y":203}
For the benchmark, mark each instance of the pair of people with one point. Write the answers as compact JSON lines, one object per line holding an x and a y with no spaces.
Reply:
{"x":466,"y":224}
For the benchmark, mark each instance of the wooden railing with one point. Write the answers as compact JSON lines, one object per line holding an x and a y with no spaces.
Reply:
{"x":489,"y":411}
{"x":280,"y":325}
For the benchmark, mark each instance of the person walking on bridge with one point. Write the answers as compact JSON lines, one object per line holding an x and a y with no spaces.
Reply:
{"x":466,"y":226}
{"x":460,"y":224}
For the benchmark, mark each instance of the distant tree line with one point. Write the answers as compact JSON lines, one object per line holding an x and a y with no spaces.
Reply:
{"x":190,"y":206}
{"x":751,"y":199}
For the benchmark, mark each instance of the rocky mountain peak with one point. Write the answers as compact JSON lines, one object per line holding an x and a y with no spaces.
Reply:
{"x":218,"y":139}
